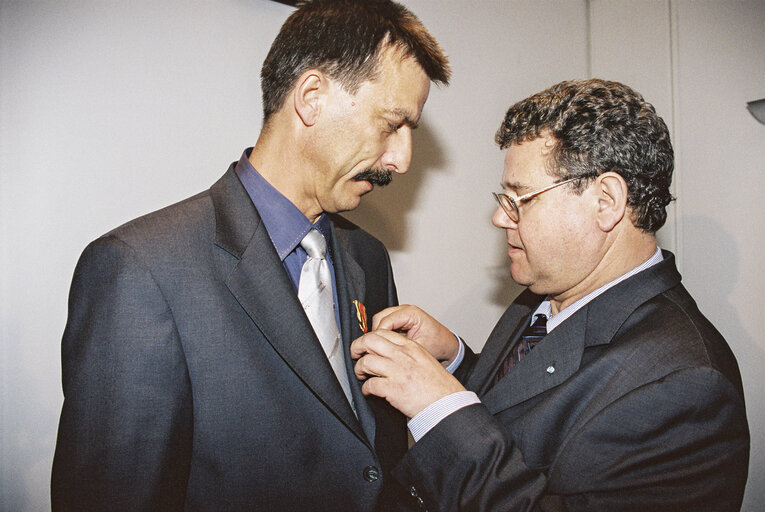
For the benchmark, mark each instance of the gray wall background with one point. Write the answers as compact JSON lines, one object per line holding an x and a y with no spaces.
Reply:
{"x":110,"y":109}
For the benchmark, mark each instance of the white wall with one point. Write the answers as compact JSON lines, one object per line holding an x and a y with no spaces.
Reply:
{"x":112,"y":109}
{"x":720,"y":48}
{"x":699,"y":62}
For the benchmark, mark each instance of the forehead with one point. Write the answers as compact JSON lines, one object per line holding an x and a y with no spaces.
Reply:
{"x":400,"y":88}
{"x":525,"y":164}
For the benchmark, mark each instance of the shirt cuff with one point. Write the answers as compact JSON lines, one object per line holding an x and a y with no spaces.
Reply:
{"x":430,"y":416}
{"x":460,"y":356}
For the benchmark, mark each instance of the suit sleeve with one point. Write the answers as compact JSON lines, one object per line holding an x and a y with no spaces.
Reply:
{"x":124,"y":439}
{"x":679,"y":443}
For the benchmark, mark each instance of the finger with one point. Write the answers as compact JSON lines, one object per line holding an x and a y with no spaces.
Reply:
{"x":383,"y":343}
{"x":380,"y":387}
{"x":376,"y":319}
{"x":369,"y":343}
{"x":358,"y":347}
{"x":393,"y":337}
{"x":372,"y":365}
{"x":396,"y":318}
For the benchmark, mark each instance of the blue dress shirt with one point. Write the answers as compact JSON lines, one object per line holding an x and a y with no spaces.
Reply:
{"x":285,"y":223}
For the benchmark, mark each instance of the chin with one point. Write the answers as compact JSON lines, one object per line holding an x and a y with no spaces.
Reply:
{"x":348,"y":204}
{"x":517,"y":276}
{"x":535,"y":288}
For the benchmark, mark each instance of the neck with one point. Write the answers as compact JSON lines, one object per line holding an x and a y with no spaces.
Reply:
{"x":630,"y":250}
{"x":276,"y":158}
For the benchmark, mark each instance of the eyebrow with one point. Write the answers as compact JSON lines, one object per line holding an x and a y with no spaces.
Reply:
{"x":515,"y":187}
{"x":404,"y":115}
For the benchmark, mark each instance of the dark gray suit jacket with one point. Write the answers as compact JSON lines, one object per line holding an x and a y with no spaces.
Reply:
{"x":193,"y":379}
{"x":634,"y":403}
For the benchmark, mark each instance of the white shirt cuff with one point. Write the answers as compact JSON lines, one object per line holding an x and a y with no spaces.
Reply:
{"x":460,"y":356}
{"x":430,"y":416}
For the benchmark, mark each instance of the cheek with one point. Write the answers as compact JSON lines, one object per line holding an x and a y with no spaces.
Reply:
{"x":553,"y":243}
{"x":537,"y":237}
{"x":363,"y":151}
{"x":579,"y":246}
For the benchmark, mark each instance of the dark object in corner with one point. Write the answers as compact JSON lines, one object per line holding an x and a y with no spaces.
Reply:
{"x":757,"y":108}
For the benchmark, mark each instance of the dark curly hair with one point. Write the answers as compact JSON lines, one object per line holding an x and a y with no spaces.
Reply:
{"x":344,"y":39}
{"x":600,"y":126}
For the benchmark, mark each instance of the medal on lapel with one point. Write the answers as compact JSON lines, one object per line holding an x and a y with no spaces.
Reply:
{"x":361,"y":315}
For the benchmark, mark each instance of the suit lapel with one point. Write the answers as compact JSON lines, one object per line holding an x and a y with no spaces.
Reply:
{"x":553,"y":360}
{"x":350,"y":282}
{"x":260,"y":284}
{"x":559,"y":355}
{"x":497,"y":346}
{"x":353,"y":274}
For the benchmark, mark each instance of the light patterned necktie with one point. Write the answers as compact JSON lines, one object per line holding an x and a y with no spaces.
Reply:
{"x":315,"y":294}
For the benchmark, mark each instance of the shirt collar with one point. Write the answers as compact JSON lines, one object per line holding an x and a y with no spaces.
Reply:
{"x":545,"y":308}
{"x":285,"y":223}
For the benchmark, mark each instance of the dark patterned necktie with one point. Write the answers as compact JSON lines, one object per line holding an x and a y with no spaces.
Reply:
{"x":532,"y":335}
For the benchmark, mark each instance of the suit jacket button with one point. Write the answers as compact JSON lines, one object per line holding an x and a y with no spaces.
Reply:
{"x":371,"y":474}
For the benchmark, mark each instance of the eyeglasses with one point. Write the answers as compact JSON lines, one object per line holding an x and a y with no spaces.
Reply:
{"x":510,"y":205}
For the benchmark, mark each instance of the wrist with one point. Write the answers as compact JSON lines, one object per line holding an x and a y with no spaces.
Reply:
{"x":454,"y":362}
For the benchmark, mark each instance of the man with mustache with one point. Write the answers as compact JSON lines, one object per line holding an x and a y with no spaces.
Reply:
{"x":205,"y":357}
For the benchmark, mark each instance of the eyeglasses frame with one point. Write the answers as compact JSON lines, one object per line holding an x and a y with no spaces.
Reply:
{"x":514,"y":214}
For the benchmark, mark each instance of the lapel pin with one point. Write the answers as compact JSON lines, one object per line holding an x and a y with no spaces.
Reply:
{"x":361,"y":315}
{"x":551,"y":369}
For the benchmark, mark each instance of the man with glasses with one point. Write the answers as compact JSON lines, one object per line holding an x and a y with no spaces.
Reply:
{"x":602,"y":387}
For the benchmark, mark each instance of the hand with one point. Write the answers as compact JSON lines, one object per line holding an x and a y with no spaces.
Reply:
{"x":401,"y":371}
{"x":420,"y":327}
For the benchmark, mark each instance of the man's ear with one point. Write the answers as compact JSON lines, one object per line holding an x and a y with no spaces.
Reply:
{"x":307,"y":95}
{"x":611,"y":195}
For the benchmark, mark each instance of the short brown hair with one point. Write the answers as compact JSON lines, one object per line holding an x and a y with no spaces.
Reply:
{"x":344,"y":39}
{"x":600,"y":126}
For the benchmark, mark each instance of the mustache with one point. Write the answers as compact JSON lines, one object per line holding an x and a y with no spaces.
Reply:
{"x":377,"y":177}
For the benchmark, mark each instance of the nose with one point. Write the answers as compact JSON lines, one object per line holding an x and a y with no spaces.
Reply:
{"x":398,"y":151}
{"x":501,"y":220}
